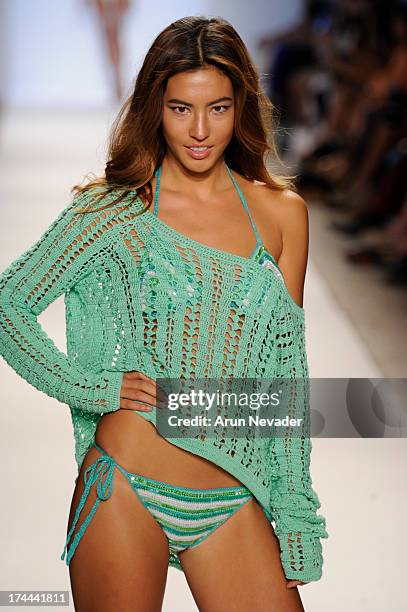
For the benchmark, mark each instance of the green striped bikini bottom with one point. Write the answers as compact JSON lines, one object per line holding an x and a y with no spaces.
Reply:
{"x":187,"y":516}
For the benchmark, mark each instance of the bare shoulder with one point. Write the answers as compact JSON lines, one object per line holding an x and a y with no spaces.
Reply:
{"x":284,"y":209}
{"x":285,"y":206}
{"x":292,"y":200}
{"x":289,"y":211}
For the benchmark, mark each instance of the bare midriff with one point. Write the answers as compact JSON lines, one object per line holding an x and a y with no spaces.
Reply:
{"x":135,"y":444}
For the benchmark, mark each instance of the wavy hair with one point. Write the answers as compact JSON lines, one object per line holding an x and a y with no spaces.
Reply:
{"x":136,"y":142}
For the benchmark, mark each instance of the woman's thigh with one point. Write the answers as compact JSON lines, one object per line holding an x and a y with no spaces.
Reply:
{"x":238,"y":568}
{"x":121,"y":561}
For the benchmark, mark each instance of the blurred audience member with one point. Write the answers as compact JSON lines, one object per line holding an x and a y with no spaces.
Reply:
{"x":294,"y":61}
{"x":357,"y":157}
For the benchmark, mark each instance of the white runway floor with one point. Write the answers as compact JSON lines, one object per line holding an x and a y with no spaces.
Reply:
{"x":361,"y":483}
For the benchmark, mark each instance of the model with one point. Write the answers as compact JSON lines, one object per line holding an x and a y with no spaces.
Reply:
{"x":111,"y":15}
{"x":186,"y":260}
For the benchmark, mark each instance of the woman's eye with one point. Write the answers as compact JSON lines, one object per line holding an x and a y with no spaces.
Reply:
{"x":224,"y":107}
{"x":176,"y":109}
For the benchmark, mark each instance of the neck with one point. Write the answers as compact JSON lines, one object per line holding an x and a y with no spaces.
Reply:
{"x":201,"y":185}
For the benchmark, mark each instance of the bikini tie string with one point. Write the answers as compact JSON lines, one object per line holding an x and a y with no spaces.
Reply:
{"x":100,"y":472}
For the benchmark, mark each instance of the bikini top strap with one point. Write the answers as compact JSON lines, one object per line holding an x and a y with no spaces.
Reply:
{"x":243,"y":199}
{"x":256,"y":233}
{"x":157,"y":190}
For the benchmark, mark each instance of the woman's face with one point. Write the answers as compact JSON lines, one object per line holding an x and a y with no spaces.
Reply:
{"x":198,"y":111}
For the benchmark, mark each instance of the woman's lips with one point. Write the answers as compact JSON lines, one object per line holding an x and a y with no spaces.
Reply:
{"x":198,"y":154}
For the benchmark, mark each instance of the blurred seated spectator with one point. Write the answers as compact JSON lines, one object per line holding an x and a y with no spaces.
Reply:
{"x":350,"y":170}
{"x":388,"y":249}
{"x":294,"y":58}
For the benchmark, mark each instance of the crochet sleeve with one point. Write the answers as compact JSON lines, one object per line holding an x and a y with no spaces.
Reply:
{"x":64,"y":254}
{"x":293,"y":501}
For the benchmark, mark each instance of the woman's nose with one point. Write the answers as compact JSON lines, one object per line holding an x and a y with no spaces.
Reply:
{"x":199,"y":127}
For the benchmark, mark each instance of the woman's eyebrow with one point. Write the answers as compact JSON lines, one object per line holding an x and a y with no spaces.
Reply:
{"x":177,"y":101}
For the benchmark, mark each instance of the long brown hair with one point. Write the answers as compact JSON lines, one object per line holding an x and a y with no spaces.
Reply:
{"x":136,"y":142}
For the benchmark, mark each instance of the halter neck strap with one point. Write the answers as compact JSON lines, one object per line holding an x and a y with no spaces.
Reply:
{"x":243,"y":199}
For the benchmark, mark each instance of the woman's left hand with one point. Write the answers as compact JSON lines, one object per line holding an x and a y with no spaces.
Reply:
{"x":293,"y":583}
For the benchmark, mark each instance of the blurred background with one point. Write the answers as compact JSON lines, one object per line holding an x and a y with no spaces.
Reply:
{"x":336,"y":72}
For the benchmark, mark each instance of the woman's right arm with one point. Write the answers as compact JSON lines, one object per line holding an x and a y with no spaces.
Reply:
{"x":68,"y":250}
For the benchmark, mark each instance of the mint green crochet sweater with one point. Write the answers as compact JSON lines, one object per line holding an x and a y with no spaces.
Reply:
{"x":141,"y":296}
